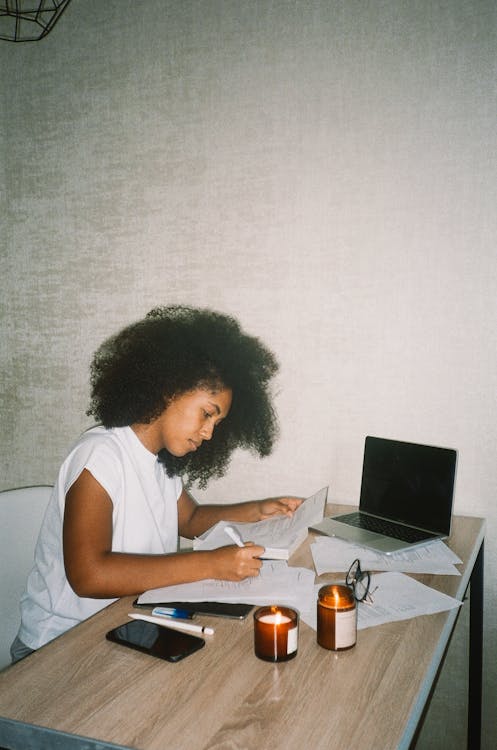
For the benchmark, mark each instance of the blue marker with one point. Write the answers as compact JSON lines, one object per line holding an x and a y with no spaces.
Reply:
{"x":182,"y":614}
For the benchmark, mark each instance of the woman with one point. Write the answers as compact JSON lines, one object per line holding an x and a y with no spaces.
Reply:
{"x":175,"y":393}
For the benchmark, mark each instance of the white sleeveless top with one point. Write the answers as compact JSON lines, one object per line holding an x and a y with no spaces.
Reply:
{"x":144,"y":520}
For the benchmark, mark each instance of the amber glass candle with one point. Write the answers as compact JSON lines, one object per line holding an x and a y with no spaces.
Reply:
{"x":337,"y":618}
{"x":276,"y":633}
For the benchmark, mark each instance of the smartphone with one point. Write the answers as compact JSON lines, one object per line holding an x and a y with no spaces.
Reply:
{"x":165,"y":643}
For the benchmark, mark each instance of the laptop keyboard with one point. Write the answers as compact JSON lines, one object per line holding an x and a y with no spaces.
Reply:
{"x":388,"y":528}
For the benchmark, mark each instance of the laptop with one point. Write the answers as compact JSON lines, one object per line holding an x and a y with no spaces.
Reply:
{"x":406,"y":497}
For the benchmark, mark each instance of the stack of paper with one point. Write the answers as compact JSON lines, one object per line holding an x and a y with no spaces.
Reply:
{"x":331,"y":554}
{"x":395,"y":596}
{"x":276,"y":584}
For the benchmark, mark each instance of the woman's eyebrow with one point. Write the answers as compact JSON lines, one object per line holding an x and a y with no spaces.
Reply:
{"x":216,"y":407}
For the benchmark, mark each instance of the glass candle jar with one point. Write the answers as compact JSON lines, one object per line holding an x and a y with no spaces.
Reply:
{"x":276,"y":633}
{"x":337,"y":617}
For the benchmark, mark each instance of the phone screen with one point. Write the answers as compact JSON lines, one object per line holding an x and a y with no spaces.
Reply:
{"x":165,"y":643}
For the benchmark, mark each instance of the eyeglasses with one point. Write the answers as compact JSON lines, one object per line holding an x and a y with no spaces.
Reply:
{"x":359,"y":581}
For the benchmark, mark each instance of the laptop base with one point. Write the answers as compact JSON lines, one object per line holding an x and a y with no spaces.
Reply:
{"x":368,"y":539}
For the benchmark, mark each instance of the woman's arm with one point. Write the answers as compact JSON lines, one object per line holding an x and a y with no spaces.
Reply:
{"x":93,"y":570}
{"x":194,"y":518}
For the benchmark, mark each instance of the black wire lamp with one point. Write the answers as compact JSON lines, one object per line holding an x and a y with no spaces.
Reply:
{"x":29,"y":20}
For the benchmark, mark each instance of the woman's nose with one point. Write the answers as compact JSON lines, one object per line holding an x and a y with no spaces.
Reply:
{"x":206,"y":431}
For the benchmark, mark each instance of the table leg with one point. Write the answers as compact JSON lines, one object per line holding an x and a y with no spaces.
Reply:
{"x":475,"y":652}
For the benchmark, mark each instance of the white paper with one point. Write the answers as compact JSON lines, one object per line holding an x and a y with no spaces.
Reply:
{"x":279,"y":533}
{"x":331,"y":554}
{"x":277,"y":583}
{"x":395,"y":597}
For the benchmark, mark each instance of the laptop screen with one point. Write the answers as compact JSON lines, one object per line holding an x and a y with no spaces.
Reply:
{"x":408,"y":482}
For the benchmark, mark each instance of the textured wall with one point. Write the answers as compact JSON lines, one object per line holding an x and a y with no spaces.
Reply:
{"x":324,"y":170}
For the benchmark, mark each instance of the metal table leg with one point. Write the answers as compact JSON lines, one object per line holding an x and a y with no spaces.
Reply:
{"x":475,"y":652}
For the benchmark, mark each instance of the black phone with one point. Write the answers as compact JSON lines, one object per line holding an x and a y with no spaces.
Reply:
{"x":165,"y":643}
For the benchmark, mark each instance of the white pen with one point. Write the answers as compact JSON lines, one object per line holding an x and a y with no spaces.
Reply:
{"x":234,"y":536}
{"x":269,"y":553}
{"x":167,"y":622}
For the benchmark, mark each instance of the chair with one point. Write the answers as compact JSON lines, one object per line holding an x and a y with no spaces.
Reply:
{"x":21,"y":514}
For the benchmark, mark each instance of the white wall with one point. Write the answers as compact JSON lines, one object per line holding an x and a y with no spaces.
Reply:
{"x":326,"y":171}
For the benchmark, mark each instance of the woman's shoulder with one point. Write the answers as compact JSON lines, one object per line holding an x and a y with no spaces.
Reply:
{"x":97,"y":439}
{"x":99,"y":450}
{"x":105,"y":435}
{"x":119,"y":443}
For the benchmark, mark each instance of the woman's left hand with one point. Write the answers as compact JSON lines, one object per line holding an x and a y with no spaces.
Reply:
{"x":278,"y":506}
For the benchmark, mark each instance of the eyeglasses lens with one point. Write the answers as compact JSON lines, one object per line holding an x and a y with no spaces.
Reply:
{"x":358,"y":580}
{"x":361,"y":587}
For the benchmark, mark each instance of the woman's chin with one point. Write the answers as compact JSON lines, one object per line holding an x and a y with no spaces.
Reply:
{"x":179,"y":452}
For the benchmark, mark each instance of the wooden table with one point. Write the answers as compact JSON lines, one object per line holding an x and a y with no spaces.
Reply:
{"x":372,"y":696}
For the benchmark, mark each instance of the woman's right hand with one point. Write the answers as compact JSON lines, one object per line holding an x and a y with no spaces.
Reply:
{"x":234,"y":563}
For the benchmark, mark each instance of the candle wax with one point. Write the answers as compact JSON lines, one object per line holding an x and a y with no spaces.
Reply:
{"x":277,"y":619}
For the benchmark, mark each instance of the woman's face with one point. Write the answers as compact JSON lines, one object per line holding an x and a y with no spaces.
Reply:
{"x":190,"y":418}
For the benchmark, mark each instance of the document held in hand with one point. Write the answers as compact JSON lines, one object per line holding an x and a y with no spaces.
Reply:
{"x":279,"y":536}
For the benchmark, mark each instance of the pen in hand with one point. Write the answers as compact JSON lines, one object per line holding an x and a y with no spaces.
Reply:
{"x":268,"y":554}
{"x":234,"y":536}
